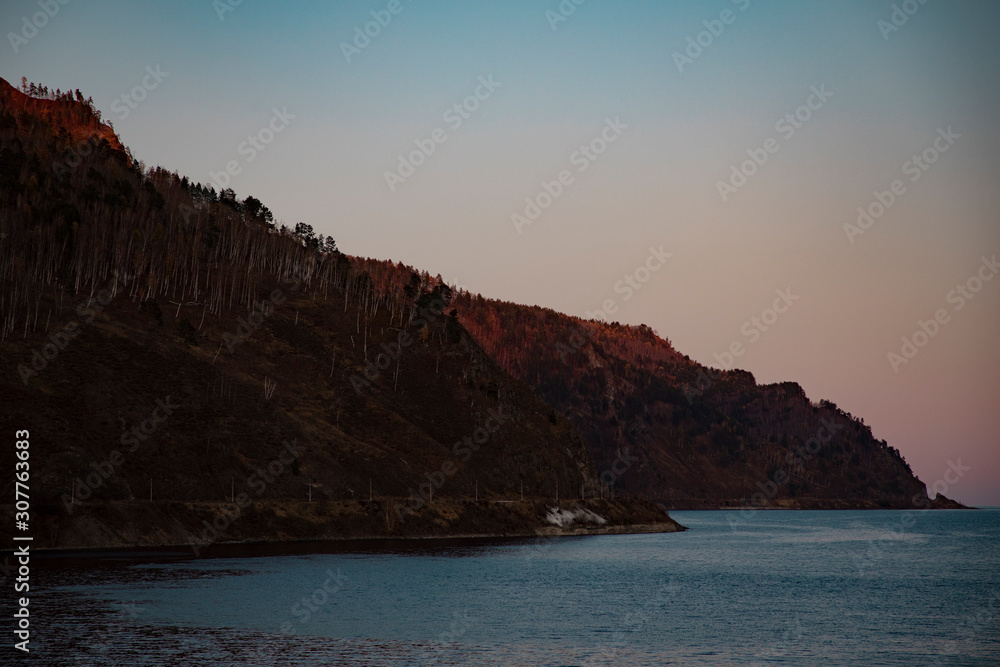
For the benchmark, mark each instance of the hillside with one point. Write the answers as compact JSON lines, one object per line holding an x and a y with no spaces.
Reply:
{"x":181,"y":360}
{"x":686,"y":435}
{"x":165,"y":343}
{"x":68,"y":113}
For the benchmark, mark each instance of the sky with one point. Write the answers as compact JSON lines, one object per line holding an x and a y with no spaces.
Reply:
{"x":828,"y":168}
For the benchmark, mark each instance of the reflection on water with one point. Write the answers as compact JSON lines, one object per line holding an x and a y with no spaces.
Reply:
{"x":784,"y":587}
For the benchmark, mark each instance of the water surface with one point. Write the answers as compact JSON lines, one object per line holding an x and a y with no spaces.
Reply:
{"x":771,"y":587}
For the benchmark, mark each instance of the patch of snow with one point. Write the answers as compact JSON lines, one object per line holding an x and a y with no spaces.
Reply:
{"x":565,"y":518}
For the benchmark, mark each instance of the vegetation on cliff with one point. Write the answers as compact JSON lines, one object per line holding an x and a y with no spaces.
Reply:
{"x":673,"y":430}
{"x":163,"y":340}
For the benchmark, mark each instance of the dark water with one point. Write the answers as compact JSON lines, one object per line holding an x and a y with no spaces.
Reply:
{"x":857,"y":588}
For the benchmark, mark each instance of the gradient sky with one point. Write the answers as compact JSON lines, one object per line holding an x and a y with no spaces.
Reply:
{"x":655,"y":185}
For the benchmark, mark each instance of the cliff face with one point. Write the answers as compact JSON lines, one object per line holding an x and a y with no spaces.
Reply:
{"x":664,"y":427}
{"x":61,"y":113}
{"x":160,"y":340}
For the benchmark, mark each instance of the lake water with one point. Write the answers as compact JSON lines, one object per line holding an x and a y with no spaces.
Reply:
{"x":774,"y":587}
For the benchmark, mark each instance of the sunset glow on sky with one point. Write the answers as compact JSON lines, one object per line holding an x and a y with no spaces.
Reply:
{"x":818,"y":182}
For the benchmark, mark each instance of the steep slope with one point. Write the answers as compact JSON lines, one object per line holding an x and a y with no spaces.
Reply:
{"x":164,"y":343}
{"x":66,"y":113}
{"x":667,"y":428}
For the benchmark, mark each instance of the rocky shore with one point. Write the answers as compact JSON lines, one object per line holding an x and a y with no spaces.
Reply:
{"x":200,"y":526}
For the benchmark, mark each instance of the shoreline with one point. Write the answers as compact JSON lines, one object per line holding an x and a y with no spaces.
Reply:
{"x":204,"y":526}
{"x":938,"y":503}
{"x":348,"y":543}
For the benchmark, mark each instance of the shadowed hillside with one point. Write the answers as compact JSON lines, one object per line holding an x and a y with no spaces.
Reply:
{"x":162,"y":340}
{"x":685,"y":434}
{"x":174,"y":352}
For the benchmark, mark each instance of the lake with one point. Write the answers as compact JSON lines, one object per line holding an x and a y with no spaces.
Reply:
{"x":768,"y":587}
